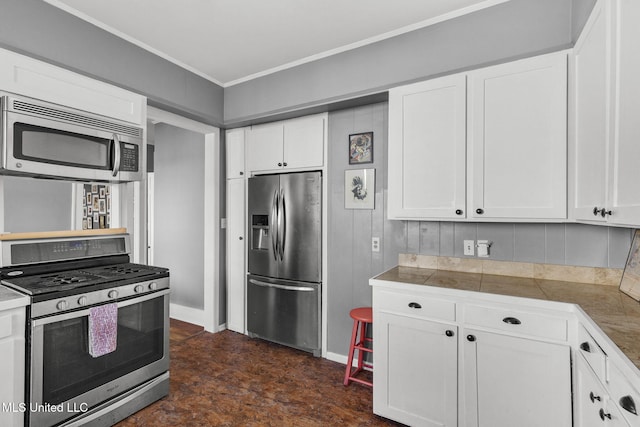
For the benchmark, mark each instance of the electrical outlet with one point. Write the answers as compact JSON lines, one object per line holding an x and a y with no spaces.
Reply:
{"x":483,"y":248}
{"x":375,"y":244}
{"x":469,"y":249}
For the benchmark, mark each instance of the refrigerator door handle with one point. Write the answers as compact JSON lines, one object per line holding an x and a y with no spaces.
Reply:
{"x":282,"y":224}
{"x":273,"y":226}
{"x":285,"y":287}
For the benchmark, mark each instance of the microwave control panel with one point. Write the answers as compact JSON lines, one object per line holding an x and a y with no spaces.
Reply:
{"x":129,"y":159}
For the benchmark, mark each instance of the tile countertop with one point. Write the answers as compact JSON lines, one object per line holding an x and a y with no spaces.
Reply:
{"x":617,"y":314}
{"x":11,"y":299}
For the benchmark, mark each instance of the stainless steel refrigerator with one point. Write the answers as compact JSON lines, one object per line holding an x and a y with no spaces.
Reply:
{"x":285,"y":255}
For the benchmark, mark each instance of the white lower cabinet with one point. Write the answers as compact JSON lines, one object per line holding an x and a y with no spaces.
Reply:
{"x":236,"y":255}
{"x":444,"y":360}
{"x":513,"y":381}
{"x":415,"y":370}
{"x":593,"y":405}
{"x":12,"y":369}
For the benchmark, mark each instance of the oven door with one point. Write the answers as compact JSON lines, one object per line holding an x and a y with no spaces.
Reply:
{"x":66,"y":380}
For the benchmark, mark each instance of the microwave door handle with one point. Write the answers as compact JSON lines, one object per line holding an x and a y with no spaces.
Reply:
{"x":118,"y":154}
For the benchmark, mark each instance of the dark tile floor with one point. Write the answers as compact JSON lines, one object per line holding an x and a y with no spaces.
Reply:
{"x":228,"y":379}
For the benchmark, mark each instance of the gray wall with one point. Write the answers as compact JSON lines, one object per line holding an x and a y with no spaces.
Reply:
{"x":351,"y":262}
{"x":32,"y":204}
{"x":179,"y":212}
{"x":513,"y":29}
{"x":39,"y":30}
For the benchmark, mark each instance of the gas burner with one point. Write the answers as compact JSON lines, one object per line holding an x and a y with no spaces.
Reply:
{"x":116,"y":269}
{"x":63,"y":278}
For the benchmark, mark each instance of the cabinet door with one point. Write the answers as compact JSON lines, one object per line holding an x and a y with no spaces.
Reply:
{"x":511,"y":381}
{"x":304,"y":142}
{"x":518,"y":144}
{"x":427,"y":138}
{"x":12,"y":366}
{"x":235,"y":153}
{"x":415,"y":379}
{"x":264,"y":147}
{"x":625,"y":197}
{"x":37,"y":79}
{"x":593,"y":406}
{"x":236,"y":271}
{"x":590,"y":135}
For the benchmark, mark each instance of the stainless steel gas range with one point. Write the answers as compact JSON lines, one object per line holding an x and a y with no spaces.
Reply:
{"x":97,"y":328}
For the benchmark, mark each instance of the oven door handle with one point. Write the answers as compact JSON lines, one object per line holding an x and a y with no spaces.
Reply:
{"x":81,"y":313}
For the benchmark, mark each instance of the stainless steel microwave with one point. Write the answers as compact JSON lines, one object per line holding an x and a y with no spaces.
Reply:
{"x":48,"y":140}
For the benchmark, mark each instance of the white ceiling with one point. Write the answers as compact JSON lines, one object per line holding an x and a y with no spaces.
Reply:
{"x":230,"y":41}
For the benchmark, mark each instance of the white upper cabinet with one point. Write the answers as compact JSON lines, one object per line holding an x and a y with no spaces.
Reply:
{"x":488,"y":145}
{"x":517,"y":139}
{"x":427,"y":127}
{"x":22,"y":75}
{"x":605,"y":126}
{"x":590,"y":115}
{"x":287,"y":145}
{"x":304,"y":142}
{"x":624,"y":199}
{"x":235,"y":153}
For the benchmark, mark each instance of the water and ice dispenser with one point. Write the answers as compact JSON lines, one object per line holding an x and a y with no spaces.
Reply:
{"x":260,"y":232}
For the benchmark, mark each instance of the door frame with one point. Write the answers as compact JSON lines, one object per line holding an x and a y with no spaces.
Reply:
{"x":211,"y":196}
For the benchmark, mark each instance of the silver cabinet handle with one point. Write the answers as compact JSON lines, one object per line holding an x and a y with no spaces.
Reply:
{"x":285,"y":287}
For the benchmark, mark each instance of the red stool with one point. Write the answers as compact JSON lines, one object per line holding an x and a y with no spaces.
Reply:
{"x":362,"y":317}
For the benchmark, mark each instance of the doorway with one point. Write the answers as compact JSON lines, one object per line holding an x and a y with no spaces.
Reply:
{"x":183,"y":214}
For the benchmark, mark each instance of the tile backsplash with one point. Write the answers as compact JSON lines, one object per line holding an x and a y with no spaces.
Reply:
{"x":563,"y":244}
{"x":592,"y":275}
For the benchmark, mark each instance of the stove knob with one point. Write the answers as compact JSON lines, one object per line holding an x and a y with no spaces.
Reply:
{"x":82,"y":301}
{"x":113,"y":294}
{"x":138,"y":289}
{"x":153,"y":286}
{"x":62,"y":305}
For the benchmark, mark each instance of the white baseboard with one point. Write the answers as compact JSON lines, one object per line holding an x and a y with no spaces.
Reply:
{"x":335,"y":357}
{"x":341,"y":358}
{"x":186,"y":314}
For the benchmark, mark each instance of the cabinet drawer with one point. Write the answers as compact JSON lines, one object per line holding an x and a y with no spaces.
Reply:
{"x":625,"y":396}
{"x":517,"y":322}
{"x":415,"y":305}
{"x":593,"y":354}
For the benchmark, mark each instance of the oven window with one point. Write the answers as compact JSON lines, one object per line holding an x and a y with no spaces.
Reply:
{"x":68,"y":368}
{"x":60,"y":147}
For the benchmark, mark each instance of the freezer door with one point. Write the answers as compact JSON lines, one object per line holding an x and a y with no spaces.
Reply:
{"x":284,"y":312}
{"x":262,"y":225}
{"x":301,"y":225}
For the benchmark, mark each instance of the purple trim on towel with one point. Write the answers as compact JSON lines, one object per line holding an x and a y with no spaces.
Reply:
{"x":103,"y":329}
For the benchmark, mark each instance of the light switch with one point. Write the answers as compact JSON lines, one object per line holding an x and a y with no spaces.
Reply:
{"x":469,"y":249}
